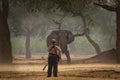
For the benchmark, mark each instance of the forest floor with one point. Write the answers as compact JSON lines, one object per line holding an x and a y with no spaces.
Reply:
{"x":31,"y":69}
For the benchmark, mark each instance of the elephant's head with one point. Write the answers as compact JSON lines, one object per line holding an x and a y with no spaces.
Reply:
{"x":52,"y":35}
{"x":64,"y":37}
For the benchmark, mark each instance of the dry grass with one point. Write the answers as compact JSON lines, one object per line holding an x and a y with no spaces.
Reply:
{"x":63,"y":75}
{"x":31,"y":69}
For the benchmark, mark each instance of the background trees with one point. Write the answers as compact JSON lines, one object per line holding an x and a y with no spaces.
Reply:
{"x":82,"y":17}
{"x":115,"y":7}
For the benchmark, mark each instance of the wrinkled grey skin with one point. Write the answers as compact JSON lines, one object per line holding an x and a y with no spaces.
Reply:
{"x":63,"y":37}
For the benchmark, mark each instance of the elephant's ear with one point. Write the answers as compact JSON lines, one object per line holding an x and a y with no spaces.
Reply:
{"x":52,"y":35}
{"x":70,"y":37}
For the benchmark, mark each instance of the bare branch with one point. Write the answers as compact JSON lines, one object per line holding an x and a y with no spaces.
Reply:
{"x":109,"y":8}
{"x":77,"y":35}
{"x":60,"y":21}
{"x":63,"y":17}
{"x":56,"y":22}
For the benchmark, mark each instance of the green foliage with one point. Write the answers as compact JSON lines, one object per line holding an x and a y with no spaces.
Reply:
{"x":18,"y":44}
{"x":38,"y":16}
{"x":81,"y":45}
{"x":37,"y":45}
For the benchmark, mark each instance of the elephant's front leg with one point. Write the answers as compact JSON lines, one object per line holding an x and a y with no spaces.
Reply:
{"x":67,"y":54}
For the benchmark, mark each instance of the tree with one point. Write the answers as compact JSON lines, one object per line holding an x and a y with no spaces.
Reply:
{"x":5,"y":45}
{"x":115,"y":8}
{"x":59,"y":22}
{"x":31,"y":6}
{"x":31,"y":25}
{"x":78,"y":8}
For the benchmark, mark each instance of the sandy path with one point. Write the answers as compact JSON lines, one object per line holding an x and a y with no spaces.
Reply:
{"x":69,"y":67}
{"x":66,"y":72}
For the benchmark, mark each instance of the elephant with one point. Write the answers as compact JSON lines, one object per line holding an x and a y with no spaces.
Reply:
{"x":63,"y":37}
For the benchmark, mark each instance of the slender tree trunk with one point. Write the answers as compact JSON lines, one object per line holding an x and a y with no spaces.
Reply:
{"x":28,"y":53}
{"x":86,"y":33}
{"x":118,"y":34}
{"x":95,"y":45}
{"x":5,"y":44}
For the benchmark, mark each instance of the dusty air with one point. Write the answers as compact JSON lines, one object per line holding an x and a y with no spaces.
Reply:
{"x":59,"y":40}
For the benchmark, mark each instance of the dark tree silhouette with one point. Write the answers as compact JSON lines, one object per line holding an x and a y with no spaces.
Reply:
{"x":72,"y":6}
{"x":5,"y":45}
{"x":115,"y":9}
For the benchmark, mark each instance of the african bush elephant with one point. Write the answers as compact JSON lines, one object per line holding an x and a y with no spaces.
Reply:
{"x":64,"y":37}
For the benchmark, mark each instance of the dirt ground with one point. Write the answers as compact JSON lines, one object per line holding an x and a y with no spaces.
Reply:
{"x":66,"y":72}
{"x":31,"y":69}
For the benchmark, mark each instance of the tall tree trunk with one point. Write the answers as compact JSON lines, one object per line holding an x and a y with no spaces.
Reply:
{"x":28,"y":53}
{"x":117,"y":11}
{"x":86,"y":33}
{"x":95,"y":45}
{"x":91,"y":41}
{"x":118,"y":34}
{"x":5,"y":44}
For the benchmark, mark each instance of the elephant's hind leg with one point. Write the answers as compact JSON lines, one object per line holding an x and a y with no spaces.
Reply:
{"x":67,"y":54}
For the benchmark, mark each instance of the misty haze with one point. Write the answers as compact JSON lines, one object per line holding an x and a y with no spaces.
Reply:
{"x":87,"y":32}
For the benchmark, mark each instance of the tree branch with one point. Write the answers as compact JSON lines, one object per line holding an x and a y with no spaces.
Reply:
{"x":77,"y":35}
{"x":56,"y":22}
{"x":109,"y":8}
{"x":93,"y":43}
{"x":59,"y":22}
